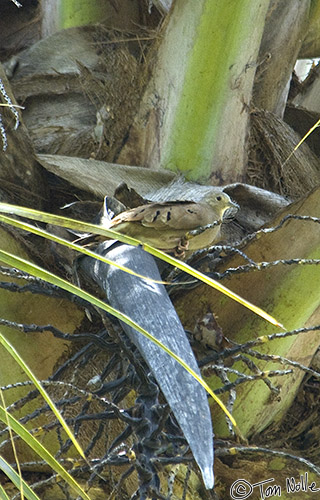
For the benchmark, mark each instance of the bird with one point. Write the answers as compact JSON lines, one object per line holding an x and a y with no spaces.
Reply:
{"x":176,"y":226}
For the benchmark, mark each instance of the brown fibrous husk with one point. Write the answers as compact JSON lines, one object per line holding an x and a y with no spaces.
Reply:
{"x":273,"y":162}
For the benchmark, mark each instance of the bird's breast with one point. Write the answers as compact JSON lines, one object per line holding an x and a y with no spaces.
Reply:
{"x":205,"y":239}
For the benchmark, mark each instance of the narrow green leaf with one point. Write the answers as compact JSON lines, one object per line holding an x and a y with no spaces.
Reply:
{"x":16,"y":480}
{"x":11,"y":350}
{"x":65,"y":222}
{"x":62,"y":241}
{"x":13,"y":446}
{"x":316,"y":125}
{"x":215,"y":284}
{"x":3,"y":495}
{"x":42,"y":452}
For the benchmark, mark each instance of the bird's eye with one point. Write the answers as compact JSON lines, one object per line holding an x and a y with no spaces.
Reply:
{"x":219,"y":198}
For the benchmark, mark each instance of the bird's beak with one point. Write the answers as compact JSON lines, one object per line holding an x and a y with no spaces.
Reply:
{"x":234,"y":205}
{"x":231,"y":210}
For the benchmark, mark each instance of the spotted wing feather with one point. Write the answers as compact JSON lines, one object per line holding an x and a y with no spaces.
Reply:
{"x":175,"y":215}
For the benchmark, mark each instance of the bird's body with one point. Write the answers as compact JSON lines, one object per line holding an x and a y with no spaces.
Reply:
{"x":166,"y":225}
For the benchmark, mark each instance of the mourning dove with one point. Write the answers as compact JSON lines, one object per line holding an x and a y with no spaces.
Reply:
{"x":169,"y":225}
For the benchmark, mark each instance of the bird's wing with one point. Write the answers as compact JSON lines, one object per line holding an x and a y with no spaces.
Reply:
{"x":184,"y":215}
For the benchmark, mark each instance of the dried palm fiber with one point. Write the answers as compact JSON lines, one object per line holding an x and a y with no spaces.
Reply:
{"x":80,"y":88}
{"x":272,"y":165}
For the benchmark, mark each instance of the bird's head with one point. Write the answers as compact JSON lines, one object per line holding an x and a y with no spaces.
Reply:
{"x":221,"y":202}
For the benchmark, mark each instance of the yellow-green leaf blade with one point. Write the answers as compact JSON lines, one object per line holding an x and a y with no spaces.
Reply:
{"x":41,"y":451}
